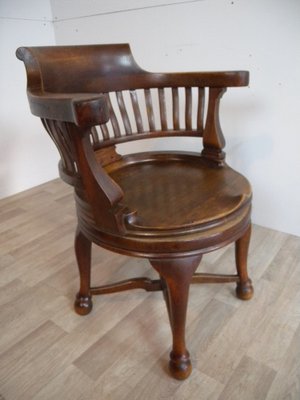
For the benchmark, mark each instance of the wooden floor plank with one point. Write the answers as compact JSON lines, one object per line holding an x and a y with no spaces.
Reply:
{"x":109,"y":347}
{"x":71,"y":384}
{"x":286,"y":384}
{"x":227,"y":349}
{"x":17,"y":357}
{"x":250,"y":381}
{"x":206,"y":328}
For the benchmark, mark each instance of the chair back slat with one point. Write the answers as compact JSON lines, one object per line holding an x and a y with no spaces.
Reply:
{"x":124,"y":113}
{"x":162,"y":109}
{"x":64,"y":144}
{"x":200,"y":111}
{"x":188,"y":108}
{"x":149,"y":107}
{"x":104,"y":131}
{"x":175,"y":100}
{"x":136,"y":111}
{"x":94,"y":135}
{"x":113,"y":118}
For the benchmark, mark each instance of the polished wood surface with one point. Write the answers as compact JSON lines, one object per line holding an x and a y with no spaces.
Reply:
{"x":165,"y":206}
{"x":212,"y":193}
{"x":119,"y":351}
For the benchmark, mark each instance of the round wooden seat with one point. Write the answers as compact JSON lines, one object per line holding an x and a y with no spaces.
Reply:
{"x":177,"y":191}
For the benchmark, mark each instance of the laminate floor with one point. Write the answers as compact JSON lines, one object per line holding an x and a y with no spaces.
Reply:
{"x":240,"y":350}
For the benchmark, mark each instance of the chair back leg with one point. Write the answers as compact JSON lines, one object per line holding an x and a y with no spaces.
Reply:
{"x":244,"y":289}
{"x":83,"y":247}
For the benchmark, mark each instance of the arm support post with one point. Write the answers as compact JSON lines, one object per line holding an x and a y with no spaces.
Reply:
{"x":213,"y":139}
{"x":102,"y":193}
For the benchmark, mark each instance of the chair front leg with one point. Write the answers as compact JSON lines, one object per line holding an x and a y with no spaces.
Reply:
{"x":83,"y":302}
{"x":244,"y":289}
{"x":177,"y":274}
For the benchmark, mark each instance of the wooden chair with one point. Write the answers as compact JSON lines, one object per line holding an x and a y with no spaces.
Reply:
{"x":169,"y":207}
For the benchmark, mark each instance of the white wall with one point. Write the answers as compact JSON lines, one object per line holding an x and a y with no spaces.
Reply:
{"x":260,"y":123}
{"x":27,"y":157}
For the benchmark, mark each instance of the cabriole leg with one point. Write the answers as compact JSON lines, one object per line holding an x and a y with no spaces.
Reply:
{"x":83,"y":302}
{"x":244,"y":289}
{"x":177,"y":274}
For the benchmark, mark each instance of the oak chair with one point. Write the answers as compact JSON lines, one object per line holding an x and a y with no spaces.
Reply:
{"x":169,"y":207}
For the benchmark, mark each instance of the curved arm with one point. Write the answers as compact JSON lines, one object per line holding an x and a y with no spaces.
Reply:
{"x":83,"y":109}
{"x":219,"y":79}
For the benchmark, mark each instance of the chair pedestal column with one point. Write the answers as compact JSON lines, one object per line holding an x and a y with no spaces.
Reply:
{"x":177,"y":275}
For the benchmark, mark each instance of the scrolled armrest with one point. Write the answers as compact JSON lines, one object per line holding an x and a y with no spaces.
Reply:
{"x":83,"y":109}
